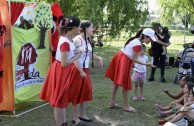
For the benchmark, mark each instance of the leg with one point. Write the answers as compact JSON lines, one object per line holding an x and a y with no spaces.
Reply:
{"x":135,"y":88}
{"x":83,"y":116}
{"x":135,"y":92}
{"x":178,"y":117}
{"x":126,"y":106}
{"x":162,"y":67}
{"x":113,"y":94}
{"x":125,"y":99}
{"x":60,"y":117}
{"x":75,"y":113}
{"x":83,"y":107}
{"x":156,"y":60}
{"x":141,"y":88}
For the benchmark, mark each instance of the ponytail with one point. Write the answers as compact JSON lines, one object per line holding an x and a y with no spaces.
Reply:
{"x":139,"y":33}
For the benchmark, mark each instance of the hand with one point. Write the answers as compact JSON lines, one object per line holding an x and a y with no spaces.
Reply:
{"x":7,"y":43}
{"x":150,"y":65}
{"x":79,"y":54}
{"x":171,"y":104}
{"x":165,"y":91}
{"x":83,"y":74}
{"x":167,"y":44}
{"x":100,"y":63}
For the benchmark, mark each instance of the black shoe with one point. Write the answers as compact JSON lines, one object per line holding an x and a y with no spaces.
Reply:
{"x":86,"y":120}
{"x":163,"y":79}
{"x":151,"y":79}
{"x":80,"y":123}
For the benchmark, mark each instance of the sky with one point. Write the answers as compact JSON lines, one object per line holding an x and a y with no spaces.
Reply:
{"x":152,"y":5}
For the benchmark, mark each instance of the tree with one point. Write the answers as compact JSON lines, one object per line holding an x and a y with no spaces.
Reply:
{"x":43,"y":21}
{"x":177,"y":11}
{"x":114,"y":15}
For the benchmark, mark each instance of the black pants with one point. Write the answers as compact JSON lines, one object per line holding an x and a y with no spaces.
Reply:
{"x":159,"y":58}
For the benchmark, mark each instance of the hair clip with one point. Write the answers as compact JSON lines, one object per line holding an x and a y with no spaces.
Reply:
{"x":70,"y":20}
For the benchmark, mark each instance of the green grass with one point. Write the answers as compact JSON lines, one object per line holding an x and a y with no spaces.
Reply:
{"x":97,"y":109}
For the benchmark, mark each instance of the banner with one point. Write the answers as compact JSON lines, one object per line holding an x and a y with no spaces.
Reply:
{"x":30,"y":65}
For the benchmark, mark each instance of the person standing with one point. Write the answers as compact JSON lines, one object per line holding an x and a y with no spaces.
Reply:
{"x":157,"y":54}
{"x":60,"y":78}
{"x":120,"y":67}
{"x":139,"y":74}
{"x":85,"y":92}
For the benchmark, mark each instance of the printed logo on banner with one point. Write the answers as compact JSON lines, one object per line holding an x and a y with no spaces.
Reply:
{"x":26,"y":73}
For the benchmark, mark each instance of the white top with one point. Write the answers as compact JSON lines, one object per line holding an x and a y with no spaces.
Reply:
{"x":141,"y":68}
{"x":72,"y":48}
{"x":128,"y":49}
{"x":88,"y":49}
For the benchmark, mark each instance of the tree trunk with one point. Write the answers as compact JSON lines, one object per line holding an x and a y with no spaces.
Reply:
{"x":42,"y":38}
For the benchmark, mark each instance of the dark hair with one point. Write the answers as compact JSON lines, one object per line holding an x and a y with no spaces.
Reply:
{"x":186,"y":79}
{"x":156,"y":26}
{"x":85,"y":24}
{"x":190,"y":85}
{"x":165,"y":30}
{"x":68,"y":24}
{"x":139,"y":33}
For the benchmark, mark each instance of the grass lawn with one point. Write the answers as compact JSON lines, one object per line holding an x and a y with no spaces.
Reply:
{"x":98,"y":108}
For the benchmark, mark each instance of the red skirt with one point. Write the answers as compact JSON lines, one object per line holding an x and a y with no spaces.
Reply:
{"x":119,"y":70}
{"x":57,"y":85}
{"x":83,"y":88}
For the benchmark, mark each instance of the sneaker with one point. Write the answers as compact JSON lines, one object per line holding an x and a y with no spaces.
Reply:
{"x":158,"y":107}
{"x":151,"y":79}
{"x":163,"y":79}
{"x":162,"y":121}
{"x":141,"y":98}
{"x":134,"y":98}
{"x":161,"y":113}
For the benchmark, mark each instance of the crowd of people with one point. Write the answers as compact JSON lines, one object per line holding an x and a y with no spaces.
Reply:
{"x":68,"y":80}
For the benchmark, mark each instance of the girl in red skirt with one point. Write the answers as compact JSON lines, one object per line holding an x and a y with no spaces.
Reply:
{"x":121,"y":65}
{"x":60,"y":79}
{"x":85,"y":92}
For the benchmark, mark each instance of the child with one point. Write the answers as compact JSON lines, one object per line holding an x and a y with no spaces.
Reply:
{"x":187,"y":110}
{"x":139,"y":74}
{"x":165,"y":38}
{"x":182,"y":83}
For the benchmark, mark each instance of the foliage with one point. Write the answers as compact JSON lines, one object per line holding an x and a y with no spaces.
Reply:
{"x":177,"y":11}
{"x":42,"y":16}
{"x":107,"y":15}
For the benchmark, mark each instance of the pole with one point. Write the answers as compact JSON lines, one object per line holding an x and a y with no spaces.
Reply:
{"x":185,"y":30}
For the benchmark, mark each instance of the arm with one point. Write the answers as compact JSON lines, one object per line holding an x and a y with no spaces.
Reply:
{"x":177,"y":101}
{"x":82,"y":73}
{"x":161,"y":43}
{"x":135,"y":59}
{"x":178,"y":95}
{"x":99,"y":59}
{"x":65,"y":61}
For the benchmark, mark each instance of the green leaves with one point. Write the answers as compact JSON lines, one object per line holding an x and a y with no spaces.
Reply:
{"x":43,"y":16}
{"x":111,"y":15}
{"x":174,"y":11}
